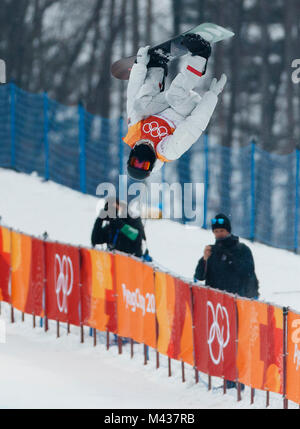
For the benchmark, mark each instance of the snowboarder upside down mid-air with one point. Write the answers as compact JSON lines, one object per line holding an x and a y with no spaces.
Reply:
{"x":164,"y":123}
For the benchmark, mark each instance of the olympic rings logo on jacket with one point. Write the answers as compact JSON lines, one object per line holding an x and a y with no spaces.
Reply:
{"x":154,"y":128}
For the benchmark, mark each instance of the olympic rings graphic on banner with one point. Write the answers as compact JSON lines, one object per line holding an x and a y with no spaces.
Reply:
{"x":155,"y":130}
{"x":215,"y":332}
{"x":64,"y":276}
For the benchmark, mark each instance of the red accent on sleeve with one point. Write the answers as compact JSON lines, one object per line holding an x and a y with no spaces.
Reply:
{"x":191,"y":69}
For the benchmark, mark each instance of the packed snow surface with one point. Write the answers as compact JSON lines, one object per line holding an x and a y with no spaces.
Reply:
{"x":39,"y":371}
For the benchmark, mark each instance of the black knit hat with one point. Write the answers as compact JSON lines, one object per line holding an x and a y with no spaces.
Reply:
{"x":221,"y":221}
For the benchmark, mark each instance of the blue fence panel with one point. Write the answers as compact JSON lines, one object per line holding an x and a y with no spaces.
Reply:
{"x":102,"y":151}
{"x":297,"y":200}
{"x":5,"y":128}
{"x":28,"y":131}
{"x":275,"y":199}
{"x":219,"y":158}
{"x":253,"y":194}
{"x":241,"y":194}
{"x":63,"y":139}
{"x":46,"y":135}
{"x":194,"y":168}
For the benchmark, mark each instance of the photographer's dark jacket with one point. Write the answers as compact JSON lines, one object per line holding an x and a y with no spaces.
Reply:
{"x":125,"y":235}
{"x":230,"y":268}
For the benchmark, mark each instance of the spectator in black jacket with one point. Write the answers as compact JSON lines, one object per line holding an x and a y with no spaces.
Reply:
{"x":123,"y":234}
{"x":228,"y":264}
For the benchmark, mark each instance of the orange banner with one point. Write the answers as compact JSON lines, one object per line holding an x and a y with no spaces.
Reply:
{"x":21,"y":264}
{"x":27,"y":279}
{"x":136,"y":300}
{"x":260,"y":345}
{"x":97,"y":294}
{"x":293,"y":357}
{"x":5,"y":263}
{"x":174,"y":317}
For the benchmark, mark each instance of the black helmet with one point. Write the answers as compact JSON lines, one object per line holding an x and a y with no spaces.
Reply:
{"x":141,"y":161}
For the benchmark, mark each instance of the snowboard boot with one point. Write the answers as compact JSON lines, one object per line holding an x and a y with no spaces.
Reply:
{"x":159,"y":60}
{"x":197,"y":45}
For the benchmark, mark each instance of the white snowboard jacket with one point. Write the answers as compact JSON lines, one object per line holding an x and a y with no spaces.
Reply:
{"x":174,"y":119}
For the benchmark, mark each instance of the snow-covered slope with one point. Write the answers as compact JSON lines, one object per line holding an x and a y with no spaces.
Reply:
{"x":39,"y":371}
{"x":33,"y":206}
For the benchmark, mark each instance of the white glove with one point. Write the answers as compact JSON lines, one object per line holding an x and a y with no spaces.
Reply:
{"x":142,"y":57}
{"x":218,"y":86}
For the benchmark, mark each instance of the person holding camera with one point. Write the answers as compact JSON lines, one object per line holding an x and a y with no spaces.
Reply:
{"x":228,"y":265}
{"x":125,"y":234}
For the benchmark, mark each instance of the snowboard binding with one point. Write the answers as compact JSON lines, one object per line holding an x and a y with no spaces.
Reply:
{"x":158,"y":59}
{"x":197,"y":45}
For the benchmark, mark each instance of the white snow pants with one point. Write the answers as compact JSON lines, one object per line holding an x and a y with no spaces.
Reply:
{"x":180,"y":104}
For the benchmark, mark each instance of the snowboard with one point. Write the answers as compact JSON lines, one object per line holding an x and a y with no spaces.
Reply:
{"x":173,"y":48}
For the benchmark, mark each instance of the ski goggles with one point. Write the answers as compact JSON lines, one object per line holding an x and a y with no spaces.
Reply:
{"x":141,"y":165}
{"x":218,"y":221}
